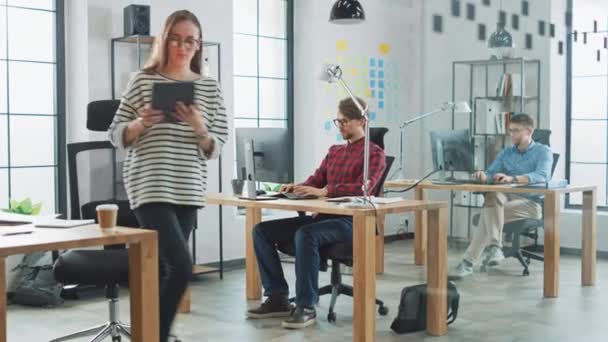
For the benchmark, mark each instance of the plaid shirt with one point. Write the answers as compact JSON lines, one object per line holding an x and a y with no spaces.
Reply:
{"x":341,"y":172}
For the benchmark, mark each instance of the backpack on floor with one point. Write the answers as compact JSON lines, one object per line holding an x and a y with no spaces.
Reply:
{"x":412,"y":308}
{"x":35,"y":284}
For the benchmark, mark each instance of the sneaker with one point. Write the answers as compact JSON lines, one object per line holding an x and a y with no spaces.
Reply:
{"x":272,"y":307}
{"x":462,"y":270}
{"x":300,"y":318}
{"x":495,"y":256}
{"x":485,"y":254}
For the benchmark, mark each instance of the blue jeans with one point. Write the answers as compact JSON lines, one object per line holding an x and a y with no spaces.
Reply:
{"x":308,"y":234}
{"x":174,"y":224}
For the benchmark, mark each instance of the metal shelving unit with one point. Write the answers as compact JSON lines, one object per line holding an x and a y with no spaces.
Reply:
{"x":141,"y":41}
{"x":483,"y":77}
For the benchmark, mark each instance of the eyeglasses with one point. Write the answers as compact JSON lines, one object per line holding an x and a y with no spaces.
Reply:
{"x":341,"y":122}
{"x":515,"y":130}
{"x":189,"y":43}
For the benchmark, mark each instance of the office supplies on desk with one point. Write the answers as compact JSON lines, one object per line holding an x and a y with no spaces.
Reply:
{"x":17,"y":219}
{"x":16,"y":230}
{"x":59,"y":223}
{"x":552,"y":184}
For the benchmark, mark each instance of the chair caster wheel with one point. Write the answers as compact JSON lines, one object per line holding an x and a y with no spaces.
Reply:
{"x":383,"y":310}
{"x":526,"y":273}
{"x":116,"y":339}
{"x":331,"y":317}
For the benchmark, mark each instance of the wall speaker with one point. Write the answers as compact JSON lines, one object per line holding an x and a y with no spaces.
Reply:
{"x":136,"y":20}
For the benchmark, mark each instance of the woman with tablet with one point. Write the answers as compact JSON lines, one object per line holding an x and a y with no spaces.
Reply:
{"x":165,"y":168}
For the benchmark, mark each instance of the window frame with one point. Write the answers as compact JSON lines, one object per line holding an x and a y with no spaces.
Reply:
{"x":289,"y":75}
{"x":569,"y":110}
{"x":59,"y":165}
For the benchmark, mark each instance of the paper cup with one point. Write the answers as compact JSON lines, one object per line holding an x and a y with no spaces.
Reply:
{"x":107,"y":215}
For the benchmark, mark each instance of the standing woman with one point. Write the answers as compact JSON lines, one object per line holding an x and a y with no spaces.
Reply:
{"x":165,"y":169}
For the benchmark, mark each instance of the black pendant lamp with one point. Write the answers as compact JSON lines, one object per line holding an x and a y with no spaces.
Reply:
{"x":347,"y":12}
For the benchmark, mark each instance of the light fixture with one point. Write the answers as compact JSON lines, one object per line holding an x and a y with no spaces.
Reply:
{"x":347,"y":12}
{"x":501,"y":42}
{"x":457,"y":107}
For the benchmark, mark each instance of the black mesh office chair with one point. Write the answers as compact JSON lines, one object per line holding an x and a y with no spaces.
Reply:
{"x":342,"y":253}
{"x":513,"y":231}
{"x":108,"y":267}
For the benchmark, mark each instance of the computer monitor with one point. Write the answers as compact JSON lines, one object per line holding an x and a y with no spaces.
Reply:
{"x":272,"y":154}
{"x":452,"y":150}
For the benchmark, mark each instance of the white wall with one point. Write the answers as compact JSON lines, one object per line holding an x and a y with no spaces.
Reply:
{"x":395,"y":23}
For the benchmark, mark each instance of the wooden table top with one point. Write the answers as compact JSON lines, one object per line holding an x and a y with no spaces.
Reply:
{"x":322,"y":206}
{"x":46,"y":239}
{"x":487,"y":187}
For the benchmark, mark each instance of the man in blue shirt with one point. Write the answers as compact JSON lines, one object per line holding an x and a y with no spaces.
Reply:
{"x":524,"y":162}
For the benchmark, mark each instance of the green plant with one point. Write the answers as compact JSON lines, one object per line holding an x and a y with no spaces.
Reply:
{"x":24,"y":207}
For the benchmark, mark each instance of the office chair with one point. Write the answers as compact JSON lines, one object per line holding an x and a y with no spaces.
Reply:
{"x":108,"y":267}
{"x":342,"y":253}
{"x":513,"y":231}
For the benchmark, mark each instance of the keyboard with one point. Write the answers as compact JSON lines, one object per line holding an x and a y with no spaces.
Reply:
{"x":293,"y":196}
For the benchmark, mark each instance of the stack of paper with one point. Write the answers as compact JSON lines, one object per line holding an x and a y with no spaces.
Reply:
{"x":59,"y":223}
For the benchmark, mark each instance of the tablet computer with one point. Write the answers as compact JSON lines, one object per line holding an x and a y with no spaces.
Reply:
{"x":165,"y":95}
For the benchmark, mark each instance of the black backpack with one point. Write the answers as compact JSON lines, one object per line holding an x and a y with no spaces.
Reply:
{"x":412,"y":308}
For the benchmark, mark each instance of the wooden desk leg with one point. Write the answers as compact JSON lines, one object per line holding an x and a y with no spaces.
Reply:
{"x":420,"y":235}
{"x":437,"y":276}
{"x":185,"y":305}
{"x":364,"y":281}
{"x":2,"y":299}
{"x":552,"y":244}
{"x":253,"y":283}
{"x":143,"y":289}
{"x":589,"y":237}
{"x":380,"y":245}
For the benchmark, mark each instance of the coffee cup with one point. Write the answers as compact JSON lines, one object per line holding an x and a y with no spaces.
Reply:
{"x":107,"y":215}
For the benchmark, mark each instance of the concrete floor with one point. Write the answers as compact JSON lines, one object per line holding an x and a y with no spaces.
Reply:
{"x":497,"y":306}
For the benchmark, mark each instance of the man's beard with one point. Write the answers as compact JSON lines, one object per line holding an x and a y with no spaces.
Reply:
{"x":347,"y":136}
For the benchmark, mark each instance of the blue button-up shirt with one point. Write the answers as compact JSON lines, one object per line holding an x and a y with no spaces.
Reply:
{"x":535,"y":163}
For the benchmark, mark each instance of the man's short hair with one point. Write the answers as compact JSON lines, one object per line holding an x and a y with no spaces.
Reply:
{"x":523,"y":119}
{"x":349,"y":109}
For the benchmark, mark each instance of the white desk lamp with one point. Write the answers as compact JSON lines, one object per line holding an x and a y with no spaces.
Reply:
{"x":458,"y":107}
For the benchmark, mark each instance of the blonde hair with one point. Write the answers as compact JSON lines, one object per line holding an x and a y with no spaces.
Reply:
{"x":158,"y":58}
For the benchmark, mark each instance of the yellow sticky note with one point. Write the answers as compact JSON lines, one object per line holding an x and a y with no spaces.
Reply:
{"x":341,"y":45}
{"x":385,"y":49}
{"x":368,"y":93}
{"x":352,"y":71}
{"x":340,"y":59}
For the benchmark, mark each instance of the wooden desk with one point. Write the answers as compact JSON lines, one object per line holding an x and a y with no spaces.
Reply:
{"x":551,"y":225}
{"x":364,"y":282}
{"x":143,"y":267}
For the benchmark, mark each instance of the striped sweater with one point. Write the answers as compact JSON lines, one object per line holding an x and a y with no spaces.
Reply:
{"x":166,"y":164}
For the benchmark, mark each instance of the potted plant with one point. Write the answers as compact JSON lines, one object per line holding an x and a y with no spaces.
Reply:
{"x":24,"y":207}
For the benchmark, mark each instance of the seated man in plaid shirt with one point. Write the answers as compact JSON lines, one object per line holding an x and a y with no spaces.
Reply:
{"x":340,"y":174}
